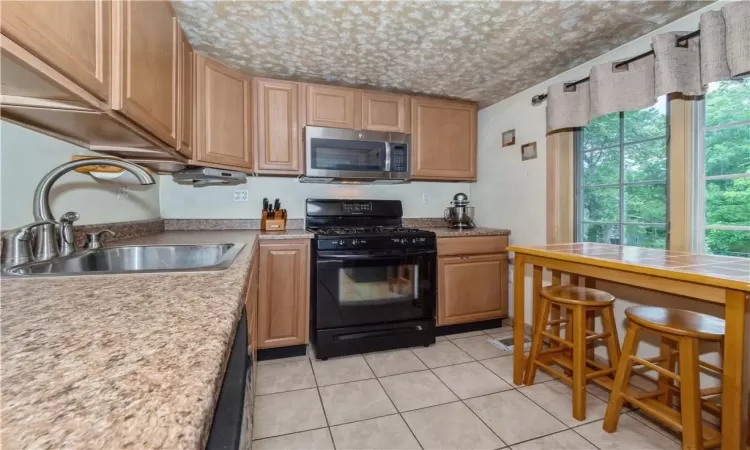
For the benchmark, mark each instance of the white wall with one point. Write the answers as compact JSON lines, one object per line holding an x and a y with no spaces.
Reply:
{"x":187,"y":202}
{"x":512,"y":193}
{"x":26,"y":156}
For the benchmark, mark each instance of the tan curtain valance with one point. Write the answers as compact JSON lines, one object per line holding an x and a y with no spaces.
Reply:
{"x":720,"y":52}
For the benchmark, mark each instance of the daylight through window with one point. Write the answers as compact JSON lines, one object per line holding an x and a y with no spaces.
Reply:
{"x":722,"y":168}
{"x":621,"y":178}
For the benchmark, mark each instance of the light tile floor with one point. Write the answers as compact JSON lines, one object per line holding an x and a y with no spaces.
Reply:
{"x":458,"y":393}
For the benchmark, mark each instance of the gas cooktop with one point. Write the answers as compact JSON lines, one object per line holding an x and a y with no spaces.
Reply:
{"x":356,"y":231}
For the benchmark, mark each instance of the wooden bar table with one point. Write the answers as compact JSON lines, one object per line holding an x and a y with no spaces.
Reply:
{"x":715,"y":279}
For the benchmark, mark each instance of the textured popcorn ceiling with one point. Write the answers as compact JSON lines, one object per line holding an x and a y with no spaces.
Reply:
{"x":476,"y":50}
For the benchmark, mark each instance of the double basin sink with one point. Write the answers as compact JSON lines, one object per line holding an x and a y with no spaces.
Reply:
{"x":135,"y":259}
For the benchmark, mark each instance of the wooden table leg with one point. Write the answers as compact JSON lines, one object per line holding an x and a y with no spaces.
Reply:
{"x":591,"y":320}
{"x":519,"y":292}
{"x":555,"y":310}
{"x":736,"y":373}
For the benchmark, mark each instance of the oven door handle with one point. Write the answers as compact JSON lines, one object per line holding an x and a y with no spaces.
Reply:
{"x":372,"y":255}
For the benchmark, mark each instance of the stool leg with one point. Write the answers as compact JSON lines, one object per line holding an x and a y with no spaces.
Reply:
{"x":536,"y":341}
{"x":667,"y":353}
{"x":622,"y":378}
{"x":690,"y":400}
{"x":579,"y":362}
{"x":613,"y":341}
{"x":568,"y":314}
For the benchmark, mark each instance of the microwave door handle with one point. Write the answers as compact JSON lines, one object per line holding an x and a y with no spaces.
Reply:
{"x":387,"y":156}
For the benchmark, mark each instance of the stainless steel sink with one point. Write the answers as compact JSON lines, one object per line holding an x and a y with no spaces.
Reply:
{"x":135,"y":259}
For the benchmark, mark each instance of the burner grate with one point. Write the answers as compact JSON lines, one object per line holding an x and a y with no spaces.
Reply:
{"x":340,"y":231}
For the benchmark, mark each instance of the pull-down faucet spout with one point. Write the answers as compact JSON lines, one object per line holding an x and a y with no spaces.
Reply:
{"x":46,"y":242}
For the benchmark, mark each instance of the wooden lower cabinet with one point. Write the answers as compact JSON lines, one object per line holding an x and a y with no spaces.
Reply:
{"x":283,"y":294}
{"x":472,"y":288}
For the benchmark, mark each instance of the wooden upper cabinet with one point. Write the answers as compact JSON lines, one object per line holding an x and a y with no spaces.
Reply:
{"x":278,"y":127}
{"x":145,"y":47}
{"x":332,"y":107}
{"x":185,"y":97}
{"x":472,"y":288}
{"x":71,"y":36}
{"x":223,"y":113}
{"x":385,"y":112}
{"x":283,"y":313}
{"x":444,"y":139}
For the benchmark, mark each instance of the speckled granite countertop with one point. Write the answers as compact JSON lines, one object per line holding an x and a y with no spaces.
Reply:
{"x":121,"y":361}
{"x":479,"y":231}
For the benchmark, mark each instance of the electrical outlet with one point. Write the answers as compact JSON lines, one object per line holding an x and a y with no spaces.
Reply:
{"x":241,"y":195}
{"x":123,"y":192}
{"x":425,"y":198}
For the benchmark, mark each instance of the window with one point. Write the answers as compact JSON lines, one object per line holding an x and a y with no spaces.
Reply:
{"x":722,"y":170}
{"x":621,"y":178}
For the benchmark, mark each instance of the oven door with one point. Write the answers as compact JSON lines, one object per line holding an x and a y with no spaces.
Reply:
{"x":373,"y":287}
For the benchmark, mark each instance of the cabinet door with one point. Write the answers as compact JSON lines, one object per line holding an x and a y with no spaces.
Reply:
{"x":277,"y":108}
{"x":223,"y":115}
{"x":72,"y":36}
{"x":185,"y":97}
{"x":145,"y":48}
{"x":472,"y":288}
{"x":444,"y":139}
{"x":385,"y":112}
{"x":283,"y":303}
{"x":331,"y":107}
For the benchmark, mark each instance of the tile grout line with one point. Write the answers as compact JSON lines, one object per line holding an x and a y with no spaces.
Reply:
{"x":431,"y":369}
{"x":289,"y":434}
{"x":322,"y":405}
{"x":467,"y":406}
{"x":653,"y":427}
{"x":393,"y":403}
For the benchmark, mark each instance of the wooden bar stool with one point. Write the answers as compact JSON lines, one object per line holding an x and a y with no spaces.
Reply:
{"x":681,"y":331}
{"x":578,"y":301}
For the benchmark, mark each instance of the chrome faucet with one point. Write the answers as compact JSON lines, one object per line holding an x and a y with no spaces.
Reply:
{"x":46,"y":242}
{"x":17,"y":244}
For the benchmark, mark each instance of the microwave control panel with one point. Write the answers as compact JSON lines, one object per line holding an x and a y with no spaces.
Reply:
{"x":399,"y":158}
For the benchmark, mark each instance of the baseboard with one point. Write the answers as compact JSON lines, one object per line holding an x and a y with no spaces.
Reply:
{"x":267,"y":354}
{"x":467,"y":327}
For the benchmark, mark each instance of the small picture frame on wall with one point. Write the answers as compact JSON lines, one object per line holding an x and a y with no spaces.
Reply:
{"x":528,"y":151}
{"x":509,"y":138}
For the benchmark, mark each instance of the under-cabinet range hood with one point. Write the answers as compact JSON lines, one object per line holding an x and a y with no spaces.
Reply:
{"x":206,"y":176}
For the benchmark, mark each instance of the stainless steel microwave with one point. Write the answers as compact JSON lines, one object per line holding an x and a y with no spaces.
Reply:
{"x":336,"y":154}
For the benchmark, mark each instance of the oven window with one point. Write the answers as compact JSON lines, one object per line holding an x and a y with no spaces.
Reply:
{"x":354,"y":156}
{"x":378,"y":285}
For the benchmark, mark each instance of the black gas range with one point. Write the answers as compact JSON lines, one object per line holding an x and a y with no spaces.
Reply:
{"x":373,"y":280}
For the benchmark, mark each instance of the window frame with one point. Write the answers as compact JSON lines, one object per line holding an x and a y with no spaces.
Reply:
{"x":578,"y":222}
{"x":700,"y":179}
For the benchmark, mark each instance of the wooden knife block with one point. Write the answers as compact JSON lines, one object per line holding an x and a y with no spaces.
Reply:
{"x":276,"y":222}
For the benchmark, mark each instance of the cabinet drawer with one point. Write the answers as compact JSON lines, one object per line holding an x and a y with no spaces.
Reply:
{"x":471,"y":245}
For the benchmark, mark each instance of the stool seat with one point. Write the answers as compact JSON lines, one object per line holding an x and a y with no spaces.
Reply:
{"x":677,"y":322}
{"x":577,"y":296}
